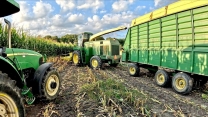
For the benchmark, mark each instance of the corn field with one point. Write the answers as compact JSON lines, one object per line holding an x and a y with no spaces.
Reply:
{"x":20,"y":39}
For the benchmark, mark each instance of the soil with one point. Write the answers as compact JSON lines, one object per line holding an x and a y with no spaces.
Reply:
{"x":162,"y":102}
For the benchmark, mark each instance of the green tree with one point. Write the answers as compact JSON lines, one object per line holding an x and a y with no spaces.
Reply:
{"x":55,"y":38}
{"x":48,"y":37}
{"x":121,"y":41}
{"x":69,"y":38}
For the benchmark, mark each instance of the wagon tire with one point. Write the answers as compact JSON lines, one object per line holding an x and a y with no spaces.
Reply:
{"x":162,"y":78}
{"x":182,"y":83}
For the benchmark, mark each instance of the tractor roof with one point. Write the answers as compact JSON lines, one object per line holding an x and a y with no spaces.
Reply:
{"x":8,"y":7}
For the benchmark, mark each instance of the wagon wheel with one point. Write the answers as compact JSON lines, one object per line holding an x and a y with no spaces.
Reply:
{"x":76,"y":58}
{"x":133,"y":69}
{"x":95,"y":62}
{"x":182,"y":83}
{"x":11,"y":103}
{"x":161,"y":78}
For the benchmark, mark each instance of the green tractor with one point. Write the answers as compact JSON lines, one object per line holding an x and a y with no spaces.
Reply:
{"x":24,"y":74}
{"x":95,"y":53}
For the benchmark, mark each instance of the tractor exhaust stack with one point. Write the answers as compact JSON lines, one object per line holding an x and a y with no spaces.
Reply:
{"x":9,"y":31}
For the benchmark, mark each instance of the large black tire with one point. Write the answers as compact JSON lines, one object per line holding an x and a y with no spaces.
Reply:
{"x":76,"y":58}
{"x":162,"y":78}
{"x":95,"y":62}
{"x":10,"y":97}
{"x":133,"y":69}
{"x":182,"y":83}
{"x":51,"y":84}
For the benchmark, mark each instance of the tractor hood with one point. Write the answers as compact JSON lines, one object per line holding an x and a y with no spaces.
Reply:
{"x":16,"y":52}
{"x":25,"y":59}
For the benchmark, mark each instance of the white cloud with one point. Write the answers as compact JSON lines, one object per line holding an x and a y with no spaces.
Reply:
{"x":76,"y":18}
{"x":93,"y":4}
{"x":66,"y":4}
{"x":161,"y":3}
{"x":121,"y":5}
{"x":58,"y":20}
{"x":41,"y":18}
{"x":33,"y":18}
{"x":25,"y":13}
{"x":42,"y":9}
{"x":140,"y":7}
{"x":111,"y":20}
{"x":103,"y":11}
{"x":131,"y":1}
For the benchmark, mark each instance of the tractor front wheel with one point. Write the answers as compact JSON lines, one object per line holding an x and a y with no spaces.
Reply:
{"x":95,"y":62}
{"x":11,"y":103}
{"x":76,"y":58}
{"x":51,"y":84}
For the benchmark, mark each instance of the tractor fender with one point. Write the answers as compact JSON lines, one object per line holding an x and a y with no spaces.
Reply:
{"x":38,"y":76}
{"x":11,"y":71}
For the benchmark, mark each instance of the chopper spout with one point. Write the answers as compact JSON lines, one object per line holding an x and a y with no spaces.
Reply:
{"x":107,"y":32}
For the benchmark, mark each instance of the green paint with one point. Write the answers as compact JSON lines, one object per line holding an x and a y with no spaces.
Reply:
{"x":25,"y":58}
{"x":178,"y":41}
{"x":105,"y":49}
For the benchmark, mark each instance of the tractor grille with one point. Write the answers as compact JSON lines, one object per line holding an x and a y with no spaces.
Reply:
{"x":115,"y":50}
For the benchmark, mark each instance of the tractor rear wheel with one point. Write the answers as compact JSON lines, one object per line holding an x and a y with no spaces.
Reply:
{"x":95,"y":62}
{"x":161,"y":78}
{"x":133,"y":69}
{"x":76,"y":58}
{"x":11,"y":102}
{"x":51,"y":84}
{"x":182,"y":83}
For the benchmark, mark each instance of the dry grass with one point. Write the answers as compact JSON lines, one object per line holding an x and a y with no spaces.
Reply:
{"x":113,"y":96}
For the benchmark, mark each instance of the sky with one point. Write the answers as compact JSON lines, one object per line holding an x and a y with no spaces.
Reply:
{"x":61,"y":17}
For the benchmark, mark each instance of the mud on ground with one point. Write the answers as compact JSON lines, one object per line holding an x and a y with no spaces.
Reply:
{"x":161,"y":102}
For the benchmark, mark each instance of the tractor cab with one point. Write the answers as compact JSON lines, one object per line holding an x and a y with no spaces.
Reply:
{"x":83,"y":37}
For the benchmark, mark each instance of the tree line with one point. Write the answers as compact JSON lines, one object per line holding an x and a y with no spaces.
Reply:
{"x":68,"y":38}
{"x":73,"y":38}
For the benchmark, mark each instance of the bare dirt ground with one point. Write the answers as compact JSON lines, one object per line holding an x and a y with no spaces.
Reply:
{"x":161,"y":102}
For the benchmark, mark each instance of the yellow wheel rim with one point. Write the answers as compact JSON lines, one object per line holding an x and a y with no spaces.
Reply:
{"x":52,"y":80}
{"x":8,"y":108}
{"x":75,"y":58}
{"x":160,"y":78}
{"x":132,"y":70}
{"x":180,"y":83}
{"x":94,"y":63}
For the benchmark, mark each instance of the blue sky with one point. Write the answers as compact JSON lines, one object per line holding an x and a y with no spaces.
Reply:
{"x":61,"y":17}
